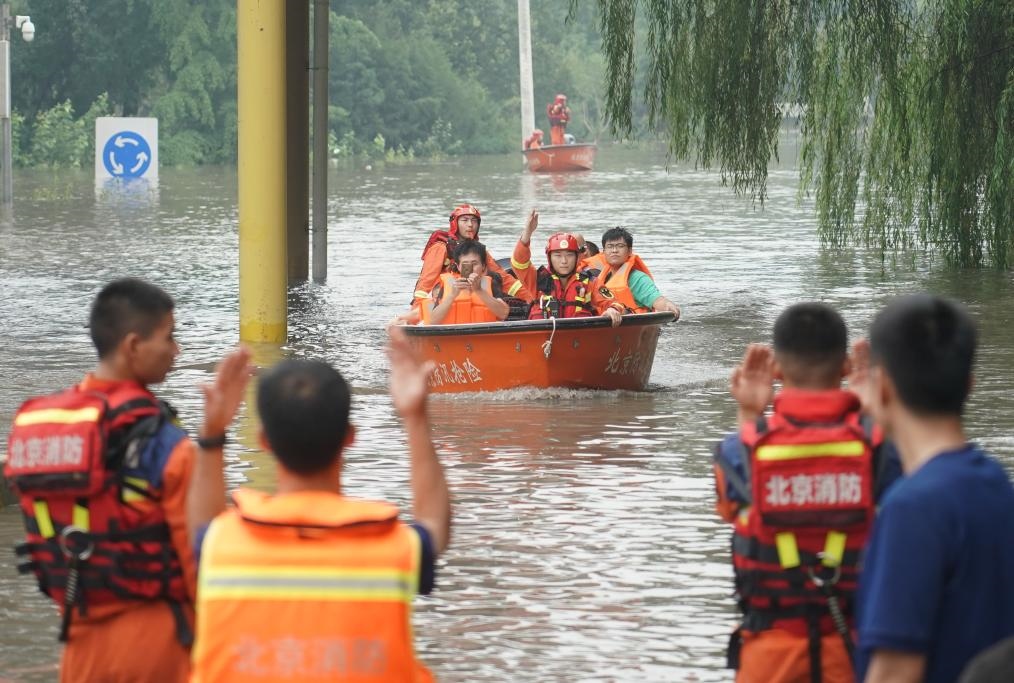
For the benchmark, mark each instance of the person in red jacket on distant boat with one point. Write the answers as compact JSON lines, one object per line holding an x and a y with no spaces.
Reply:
{"x":559,"y":115}
{"x":439,"y":252}
{"x":563,"y":291}
{"x":534,"y":140}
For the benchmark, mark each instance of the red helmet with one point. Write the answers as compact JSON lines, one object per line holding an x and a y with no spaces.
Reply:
{"x":562,"y":241}
{"x":463,"y":210}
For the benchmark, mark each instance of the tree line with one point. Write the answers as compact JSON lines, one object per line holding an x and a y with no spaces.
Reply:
{"x":406,"y":78}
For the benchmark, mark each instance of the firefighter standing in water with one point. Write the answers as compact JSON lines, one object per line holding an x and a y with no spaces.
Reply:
{"x":563,"y":291}
{"x":559,"y":114}
{"x":438,"y":255}
{"x":800,"y":488}
{"x":102,"y":471}
{"x":308,"y":584}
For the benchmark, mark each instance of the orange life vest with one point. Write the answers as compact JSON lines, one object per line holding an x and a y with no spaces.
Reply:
{"x":308,"y":586}
{"x":798,"y":542}
{"x":618,"y":284}
{"x":596,"y":264}
{"x":70,"y":460}
{"x":450,"y":242}
{"x":557,"y":301}
{"x":467,"y":306}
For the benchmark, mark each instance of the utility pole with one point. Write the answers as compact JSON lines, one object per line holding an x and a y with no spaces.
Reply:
{"x":525,"y":60}
{"x":24,"y":23}
{"x":321,"y":16}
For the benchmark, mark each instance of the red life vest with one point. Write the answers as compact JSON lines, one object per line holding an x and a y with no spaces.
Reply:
{"x":812,"y":504}
{"x":557,"y":300}
{"x":449,"y":241}
{"x":66,"y":456}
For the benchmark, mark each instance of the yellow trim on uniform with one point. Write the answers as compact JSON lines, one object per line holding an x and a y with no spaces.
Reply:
{"x":518,"y":265}
{"x":834,"y":549}
{"x":82,"y":519}
{"x":130,"y":495}
{"x":43,"y":520}
{"x":514,"y":288}
{"x":57,"y":416}
{"x":419,"y":294}
{"x":809,"y":450}
{"x":302,"y":583}
{"x":788,"y":551}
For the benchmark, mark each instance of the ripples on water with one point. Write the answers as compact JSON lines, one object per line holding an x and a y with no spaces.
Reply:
{"x":585,"y":548}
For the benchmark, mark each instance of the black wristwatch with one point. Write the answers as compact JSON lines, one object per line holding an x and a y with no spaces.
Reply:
{"x":207,"y":443}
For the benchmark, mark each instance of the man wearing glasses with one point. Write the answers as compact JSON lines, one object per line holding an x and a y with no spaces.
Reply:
{"x":627,"y":279}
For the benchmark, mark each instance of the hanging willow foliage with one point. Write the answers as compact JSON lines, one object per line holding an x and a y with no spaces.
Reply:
{"x":907,"y":105}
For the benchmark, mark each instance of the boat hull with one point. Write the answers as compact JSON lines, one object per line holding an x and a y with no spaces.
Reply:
{"x":586,"y":353}
{"x":577,"y":157}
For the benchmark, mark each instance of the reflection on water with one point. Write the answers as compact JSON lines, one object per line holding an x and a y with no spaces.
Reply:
{"x":584,"y":544}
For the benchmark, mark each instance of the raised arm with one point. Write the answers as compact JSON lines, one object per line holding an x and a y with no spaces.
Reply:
{"x":222,"y":398}
{"x":752,"y":382}
{"x":431,"y":500}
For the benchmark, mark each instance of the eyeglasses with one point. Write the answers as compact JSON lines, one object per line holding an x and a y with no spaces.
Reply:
{"x":614,"y":246}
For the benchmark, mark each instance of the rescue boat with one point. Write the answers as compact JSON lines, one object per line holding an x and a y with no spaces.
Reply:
{"x":575,"y":157}
{"x":574,"y":353}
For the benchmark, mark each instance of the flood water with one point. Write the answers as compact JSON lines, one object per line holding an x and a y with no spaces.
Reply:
{"x":585,"y":547}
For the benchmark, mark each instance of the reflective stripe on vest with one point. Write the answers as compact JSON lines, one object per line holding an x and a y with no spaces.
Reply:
{"x":303,"y":583}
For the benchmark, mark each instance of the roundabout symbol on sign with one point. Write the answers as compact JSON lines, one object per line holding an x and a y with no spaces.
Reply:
{"x":126,"y":155}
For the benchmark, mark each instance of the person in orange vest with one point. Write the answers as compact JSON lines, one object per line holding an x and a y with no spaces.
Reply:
{"x":309,"y":584}
{"x":800,"y":487}
{"x":563,"y":290}
{"x":470,"y":295}
{"x":559,"y":114}
{"x":591,"y":258}
{"x":626,"y":277}
{"x":102,"y":470}
{"x":438,"y":255}
{"x":534,"y":140}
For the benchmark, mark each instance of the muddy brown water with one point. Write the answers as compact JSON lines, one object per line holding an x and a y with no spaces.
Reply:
{"x":585,"y":547}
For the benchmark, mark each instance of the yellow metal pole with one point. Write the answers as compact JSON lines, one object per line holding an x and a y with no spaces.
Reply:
{"x":260,"y":39}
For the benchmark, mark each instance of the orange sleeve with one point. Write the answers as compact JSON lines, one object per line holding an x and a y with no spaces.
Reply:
{"x":726,"y":509}
{"x":433,"y":266}
{"x":175,"y":482}
{"x":511,"y":285}
{"x":600,"y":303}
{"x":521,"y":262}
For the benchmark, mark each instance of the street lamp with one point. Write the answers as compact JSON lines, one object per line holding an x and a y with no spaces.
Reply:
{"x":24,"y":23}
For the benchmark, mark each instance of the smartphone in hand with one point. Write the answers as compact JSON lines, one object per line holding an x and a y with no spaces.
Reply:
{"x":465,"y":270}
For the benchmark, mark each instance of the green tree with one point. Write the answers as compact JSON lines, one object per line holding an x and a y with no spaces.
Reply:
{"x":907,"y":108}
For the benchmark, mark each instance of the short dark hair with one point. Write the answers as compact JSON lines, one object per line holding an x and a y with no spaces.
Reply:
{"x":926,"y":344}
{"x":124,"y":306}
{"x":470,"y":247}
{"x":613,"y":234}
{"x":590,"y":248}
{"x":304,"y":409}
{"x":811,"y":344}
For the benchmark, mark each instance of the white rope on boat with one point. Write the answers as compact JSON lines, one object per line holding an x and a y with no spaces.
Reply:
{"x":547,"y":346}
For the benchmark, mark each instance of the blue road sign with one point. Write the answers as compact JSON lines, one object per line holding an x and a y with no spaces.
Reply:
{"x":126,"y":155}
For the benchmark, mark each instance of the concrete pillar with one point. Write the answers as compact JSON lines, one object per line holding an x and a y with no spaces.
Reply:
{"x":297,"y":86}
{"x":260,"y":38}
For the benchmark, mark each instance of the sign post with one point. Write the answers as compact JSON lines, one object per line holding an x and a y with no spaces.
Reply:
{"x":126,"y":148}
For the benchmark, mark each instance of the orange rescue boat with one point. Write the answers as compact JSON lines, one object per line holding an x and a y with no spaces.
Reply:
{"x":576,"y":353}
{"x":575,"y":157}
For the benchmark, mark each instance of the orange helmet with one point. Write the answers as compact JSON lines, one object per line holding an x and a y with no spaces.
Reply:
{"x":562,"y":241}
{"x":463,"y":210}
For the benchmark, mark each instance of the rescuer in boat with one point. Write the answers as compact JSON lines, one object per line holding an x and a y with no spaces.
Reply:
{"x":470,"y":295}
{"x":439,"y":251}
{"x":563,"y":291}
{"x":559,"y":114}
{"x":308,"y":583}
{"x":534,"y":140}
{"x":102,"y":470}
{"x":626,"y":278}
{"x":800,"y":488}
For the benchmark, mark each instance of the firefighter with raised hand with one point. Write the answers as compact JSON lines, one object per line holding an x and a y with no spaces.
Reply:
{"x":102,"y":471}
{"x":308,"y":584}
{"x":800,"y":487}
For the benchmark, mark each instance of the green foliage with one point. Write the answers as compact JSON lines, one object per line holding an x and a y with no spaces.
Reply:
{"x":908,"y":108}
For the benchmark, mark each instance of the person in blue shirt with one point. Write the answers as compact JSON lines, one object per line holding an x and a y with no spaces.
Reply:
{"x":937,"y":584}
